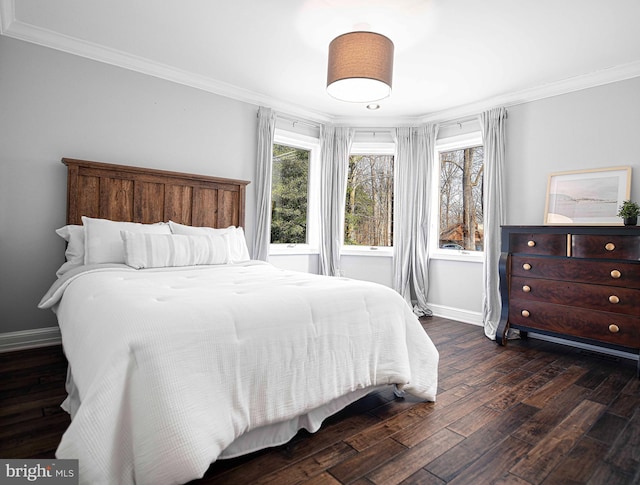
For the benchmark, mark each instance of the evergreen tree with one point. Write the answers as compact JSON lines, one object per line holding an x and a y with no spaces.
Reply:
{"x":289,"y":195}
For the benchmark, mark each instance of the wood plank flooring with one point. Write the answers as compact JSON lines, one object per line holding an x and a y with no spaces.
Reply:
{"x":529,"y":413}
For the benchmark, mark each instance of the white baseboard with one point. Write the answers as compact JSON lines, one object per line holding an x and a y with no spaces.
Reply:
{"x":583,"y":346}
{"x":29,"y":339}
{"x":465,"y":316}
{"x":475,"y":318}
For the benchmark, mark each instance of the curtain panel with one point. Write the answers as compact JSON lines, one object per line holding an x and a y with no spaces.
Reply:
{"x":493,"y":132}
{"x":262,"y":234}
{"x":335,"y":143}
{"x":415,"y":148}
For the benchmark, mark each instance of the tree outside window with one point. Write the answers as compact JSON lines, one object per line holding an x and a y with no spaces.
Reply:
{"x":289,"y":195}
{"x":369,"y":201}
{"x":461,"y":197}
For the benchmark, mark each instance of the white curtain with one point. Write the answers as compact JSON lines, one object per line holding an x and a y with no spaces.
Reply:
{"x":415,"y":149}
{"x":493,"y":132}
{"x":262,"y":234}
{"x":335,"y":145}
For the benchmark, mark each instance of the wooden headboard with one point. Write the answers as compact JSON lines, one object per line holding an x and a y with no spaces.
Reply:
{"x":133,"y":194}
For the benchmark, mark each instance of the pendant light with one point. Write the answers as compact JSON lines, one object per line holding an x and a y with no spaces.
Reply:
{"x":360,"y":67}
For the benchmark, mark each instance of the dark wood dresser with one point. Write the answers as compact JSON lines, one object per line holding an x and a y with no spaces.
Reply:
{"x":580,"y":283}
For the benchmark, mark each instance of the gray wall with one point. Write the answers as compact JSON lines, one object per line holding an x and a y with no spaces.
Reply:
{"x":592,"y":128}
{"x":55,"y":105}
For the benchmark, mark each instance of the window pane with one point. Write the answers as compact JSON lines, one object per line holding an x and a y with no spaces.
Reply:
{"x":289,"y":188}
{"x":369,"y":206}
{"x":461,"y":216}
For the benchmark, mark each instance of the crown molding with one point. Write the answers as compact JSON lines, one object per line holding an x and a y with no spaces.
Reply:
{"x":565,"y":86}
{"x":21,"y":31}
{"x":16,"y":29}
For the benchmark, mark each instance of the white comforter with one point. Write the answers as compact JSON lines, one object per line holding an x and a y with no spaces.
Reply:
{"x":172,"y":365}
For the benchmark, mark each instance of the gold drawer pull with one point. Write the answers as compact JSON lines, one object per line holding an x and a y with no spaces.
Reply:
{"x":613,"y":328}
{"x":616,"y":274}
{"x":614,"y":299}
{"x":525,"y":313}
{"x":531,"y":244}
{"x":609,"y":246}
{"x":527,"y":267}
{"x":526,"y":288}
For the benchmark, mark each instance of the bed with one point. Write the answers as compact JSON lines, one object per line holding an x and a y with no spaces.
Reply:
{"x":182,"y":350}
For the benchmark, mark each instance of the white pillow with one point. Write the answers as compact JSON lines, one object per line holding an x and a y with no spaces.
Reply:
{"x":238,"y":246}
{"x":238,"y":251}
{"x":177,"y":228}
{"x":74,"y":253}
{"x":143,"y":250}
{"x":74,"y":235}
{"x":102,"y":240}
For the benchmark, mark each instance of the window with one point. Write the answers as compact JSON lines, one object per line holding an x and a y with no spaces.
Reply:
{"x":369,"y":199}
{"x":289,"y":184}
{"x":292,"y":191}
{"x":461,"y":169}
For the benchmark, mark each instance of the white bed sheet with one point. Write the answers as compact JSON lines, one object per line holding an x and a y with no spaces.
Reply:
{"x":172,"y":366}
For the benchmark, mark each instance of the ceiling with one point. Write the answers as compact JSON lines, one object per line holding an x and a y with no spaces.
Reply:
{"x":452,"y":57}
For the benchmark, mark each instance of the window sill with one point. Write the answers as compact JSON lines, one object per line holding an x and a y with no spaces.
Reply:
{"x":374,"y":251}
{"x":458,"y":255}
{"x":291,"y":250}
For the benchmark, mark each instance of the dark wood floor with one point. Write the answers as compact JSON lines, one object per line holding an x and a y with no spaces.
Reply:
{"x":530,"y":413}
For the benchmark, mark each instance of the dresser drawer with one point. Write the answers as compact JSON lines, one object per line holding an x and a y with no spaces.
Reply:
{"x":612,"y":328}
{"x":610,"y":273}
{"x":597,"y":297}
{"x":609,"y":247}
{"x":534,"y":243}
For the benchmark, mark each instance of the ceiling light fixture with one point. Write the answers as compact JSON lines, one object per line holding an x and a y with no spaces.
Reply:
{"x":360,"y":67}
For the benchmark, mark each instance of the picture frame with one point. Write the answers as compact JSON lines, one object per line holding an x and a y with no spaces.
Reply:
{"x":587,"y":197}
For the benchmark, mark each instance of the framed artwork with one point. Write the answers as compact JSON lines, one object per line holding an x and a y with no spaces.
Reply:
{"x":587,"y":197}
